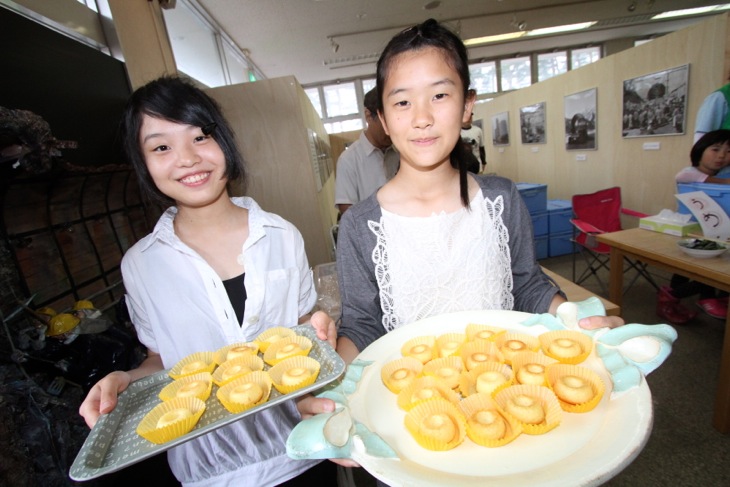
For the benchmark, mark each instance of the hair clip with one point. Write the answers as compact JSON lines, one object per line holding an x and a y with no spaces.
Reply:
{"x":209,"y":128}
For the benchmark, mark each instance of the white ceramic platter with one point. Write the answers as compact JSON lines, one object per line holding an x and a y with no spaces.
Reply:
{"x":698,"y":253}
{"x":585,"y":449}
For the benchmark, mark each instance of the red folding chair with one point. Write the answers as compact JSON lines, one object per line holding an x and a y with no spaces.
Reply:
{"x":598,"y":213}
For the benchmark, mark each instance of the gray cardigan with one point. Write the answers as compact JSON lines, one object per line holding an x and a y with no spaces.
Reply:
{"x":362,"y":314}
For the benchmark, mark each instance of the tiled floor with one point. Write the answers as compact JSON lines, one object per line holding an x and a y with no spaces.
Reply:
{"x":683,"y":449}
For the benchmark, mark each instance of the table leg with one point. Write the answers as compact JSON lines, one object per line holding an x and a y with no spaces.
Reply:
{"x":721,"y":420}
{"x":616,"y":276}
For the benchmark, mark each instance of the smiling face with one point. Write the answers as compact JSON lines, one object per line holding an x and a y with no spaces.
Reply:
{"x":714,"y":158}
{"x":424,"y":107}
{"x":185,"y":164}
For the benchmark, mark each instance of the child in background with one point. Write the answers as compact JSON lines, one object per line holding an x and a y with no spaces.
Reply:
{"x":709,"y":155}
{"x":216,"y":270}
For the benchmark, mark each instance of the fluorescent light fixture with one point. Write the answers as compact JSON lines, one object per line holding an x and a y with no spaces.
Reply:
{"x":496,"y":38}
{"x":691,"y":11}
{"x":560,"y":28}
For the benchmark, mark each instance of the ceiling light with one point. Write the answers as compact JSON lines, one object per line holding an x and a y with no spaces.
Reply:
{"x":495,"y":38}
{"x":691,"y":11}
{"x":632,"y":6}
{"x":335,"y":47}
{"x":560,"y":28}
{"x":432,"y":5}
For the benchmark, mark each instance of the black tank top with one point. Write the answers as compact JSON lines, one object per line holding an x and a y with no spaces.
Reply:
{"x":236,"y":291}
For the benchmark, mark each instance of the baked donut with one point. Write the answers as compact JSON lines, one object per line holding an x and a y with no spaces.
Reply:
{"x":439,"y":426}
{"x":193,"y":367}
{"x":488,"y":424}
{"x":192,"y":388}
{"x":294,"y":376}
{"x":173,"y":416}
{"x":526,"y":409}
{"x":573,"y":389}
{"x":564,"y":348}
{"x":531,"y":374}
{"x":488,"y":381}
{"x":247,"y":393}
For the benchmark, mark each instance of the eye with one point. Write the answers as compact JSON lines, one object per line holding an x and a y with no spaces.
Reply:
{"x":161,"y":148}
{"x":201,"y":138}
{"x":440,"y":96}
{"x":402,"y":103}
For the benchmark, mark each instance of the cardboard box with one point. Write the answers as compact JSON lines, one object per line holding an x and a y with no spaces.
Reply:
{"x":672,"y":228}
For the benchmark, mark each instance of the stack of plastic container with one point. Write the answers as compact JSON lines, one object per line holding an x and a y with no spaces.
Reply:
{"x":535,"y":198}
{"x":559,"y":227}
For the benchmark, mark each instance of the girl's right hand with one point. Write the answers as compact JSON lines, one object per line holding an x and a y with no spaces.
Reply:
{"x":102,"y":398}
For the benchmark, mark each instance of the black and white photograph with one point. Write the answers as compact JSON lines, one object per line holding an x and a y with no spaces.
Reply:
{"x":500,"y":129}
{"x":580,"y":120}
{"x":656,"y":104}
{"x":532,"y":124}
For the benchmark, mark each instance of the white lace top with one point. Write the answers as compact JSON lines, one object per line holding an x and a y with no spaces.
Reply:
{"x":442,"y":263}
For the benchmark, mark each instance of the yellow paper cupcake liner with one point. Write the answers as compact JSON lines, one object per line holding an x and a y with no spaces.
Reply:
{"x":475,"y":331}
{"x":189,"y":365}
{"x":278,"y":373}
{"x":408,"y":369}
{"x":266,"y":338}
{"x":477,"y":352}
{"x":447,"y":369}
{"x":545,"y":397}
{"x":235,"y":350}
{"x":259,"y":378}
{"x":148,"y":429}
{"x":237,"y":367}
{"x":422,"y":348}
{"x":181,"y":386}
{"x":436,"y":424}
{"x":481,"y":402}
{"x":556,"y":371}
{"x":449,"y":344}
{"x":525,"y":359}
{"x":512,"y":343}
{"x":423,"y":389}
{"x":468,"y":380}
{"x":550,"y":344}
{"x":287,"y":347}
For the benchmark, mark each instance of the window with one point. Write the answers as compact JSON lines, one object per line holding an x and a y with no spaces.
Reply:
{"x":551,"y":64}
{"x":344,"y":126}
{"x":516,"y":73}
{"x":237,"y":67}
{"x":340,"y":99}
{"x":313,"y":94}
{"x":581,"y":57}
{"x":484,"y":77}
{"x":367,"y":85}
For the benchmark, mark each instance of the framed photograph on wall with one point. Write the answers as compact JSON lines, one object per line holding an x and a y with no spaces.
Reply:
{"x":580,"y":120}
{"x":656,"y":104}
{"x":532,"y":124}
{"x":500,"y":129}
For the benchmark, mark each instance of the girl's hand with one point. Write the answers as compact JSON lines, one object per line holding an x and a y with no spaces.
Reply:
{"x":593,"y":322}
{"x":325,"y":327}
{"x":102,"y":398}
{"x":308,"y":406}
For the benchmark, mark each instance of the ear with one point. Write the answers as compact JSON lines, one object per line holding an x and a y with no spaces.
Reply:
{"x":382,"y":122}
{"x":468,"y":107}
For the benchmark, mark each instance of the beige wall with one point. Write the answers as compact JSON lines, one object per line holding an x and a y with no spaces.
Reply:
{"x":645,"y":176}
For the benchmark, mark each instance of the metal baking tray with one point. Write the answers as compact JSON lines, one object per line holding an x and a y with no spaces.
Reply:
{"x":114,"y":444}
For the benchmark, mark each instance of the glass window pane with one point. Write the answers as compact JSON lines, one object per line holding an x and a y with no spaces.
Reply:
{"x":237,"y":68}
{"x":340,"y":99}
{"x":581,"y":57}
{"x":343,"y":126}
{"x":484,"y":77}
{"x":515,"y":73}
{"x":313,"y":94}
{"x":367,"y":85}
{"x":551,"y":64}
{"x":194,"y":46}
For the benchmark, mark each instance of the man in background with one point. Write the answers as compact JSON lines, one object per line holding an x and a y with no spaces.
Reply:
{"x":473,"y":136}
{"x":368,"y":162}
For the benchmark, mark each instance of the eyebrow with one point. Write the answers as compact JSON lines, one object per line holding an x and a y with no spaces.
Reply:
{"x":445,"y":81}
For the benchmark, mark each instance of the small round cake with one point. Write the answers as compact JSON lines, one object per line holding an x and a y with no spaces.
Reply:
{"x":475,"y":359}
{"x":193,"y":367}
{"x":288,"y":350}
{"x":439,"y":426}
{"x":192,"y":388}
{"x":401,"y":378}
{"x":240,"y":351}
{"x":531,"y":374}
{"x":294,"y":376}
{"x":564,"y":348}
{"x":488,"y":424}
{"x":173,"y":416}
{"x":484,"y":335}
{"x":247,"y":393}
{"x":234,"y":371}
{"x":421,"y":352}
{"x":449,"y":348}
{"x":425,"y":393}
{"x":573,"y":389}
{"x":489,"y":381}
{"x":526,"y":409}
{"x":512,"y":347}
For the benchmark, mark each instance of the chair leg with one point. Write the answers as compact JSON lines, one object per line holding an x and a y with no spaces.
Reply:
{"x":593,"y":264}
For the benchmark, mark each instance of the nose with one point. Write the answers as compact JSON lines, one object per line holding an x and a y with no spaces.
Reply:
{"x":188,"y":156}
{"x":422,"y":116}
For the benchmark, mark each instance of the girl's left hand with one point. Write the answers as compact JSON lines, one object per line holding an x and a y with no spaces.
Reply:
{"x":325,"y":327}
{"x":593,"y":322}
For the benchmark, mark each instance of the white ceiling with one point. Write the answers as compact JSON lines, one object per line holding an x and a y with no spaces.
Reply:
{"x":291,"y":37}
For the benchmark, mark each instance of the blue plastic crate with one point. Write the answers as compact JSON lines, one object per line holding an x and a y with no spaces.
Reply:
{"x":560,"y":244}
{"x":534,"y":195}
{"x":539,"y":223}
{"x":559,"y":214}
{"x":541,"y":247}
{"x":718,"y":192}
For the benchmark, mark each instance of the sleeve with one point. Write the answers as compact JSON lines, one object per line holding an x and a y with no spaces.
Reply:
{"x":361,"y":311}
{"x":345,"y":181}
{"x":481,"y":138}
{"x":690,"y":175}
{"x":532,"y":289}
{"x":134,"y":299}
{"x":307,"y":291}
{"x":711,"y":114}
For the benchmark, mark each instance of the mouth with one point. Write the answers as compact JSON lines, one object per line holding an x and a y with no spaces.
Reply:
{"x":196,"y":178}
{"x":424,"y":141}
